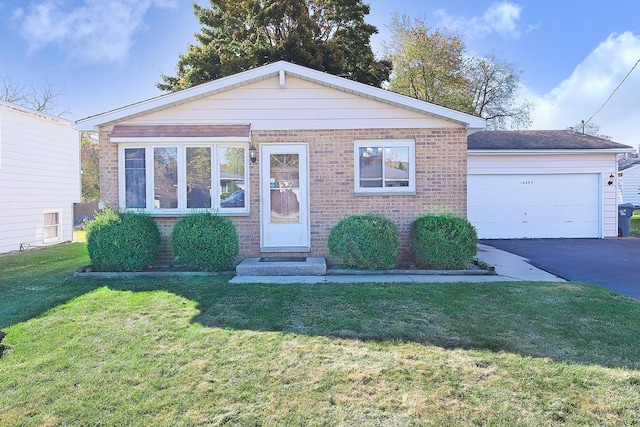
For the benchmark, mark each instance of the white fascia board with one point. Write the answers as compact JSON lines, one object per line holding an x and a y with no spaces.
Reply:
{"x":549,"y":152}
{"x":371,"y":92}
{"x":165,"y":101}
{"x":36,"y":113}
{"x":162,"y":102}
{"x":93,"y":123}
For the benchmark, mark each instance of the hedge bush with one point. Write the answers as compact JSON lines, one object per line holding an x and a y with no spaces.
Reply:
{"x":205,"y":242}
{"x":443,"y":242}
{"x":365,"y":241}
{"x":122,"y":241}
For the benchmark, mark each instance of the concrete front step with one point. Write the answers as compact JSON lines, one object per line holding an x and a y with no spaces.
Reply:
{"x":282,"y":266}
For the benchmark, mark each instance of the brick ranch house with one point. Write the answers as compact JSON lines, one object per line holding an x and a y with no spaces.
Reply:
{"x":286,"y":152}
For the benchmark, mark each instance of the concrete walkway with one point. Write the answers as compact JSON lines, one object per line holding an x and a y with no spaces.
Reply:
{"x":509,"y":267}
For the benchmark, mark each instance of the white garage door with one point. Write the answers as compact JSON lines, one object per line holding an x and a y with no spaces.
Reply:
{"x":534,"y":206}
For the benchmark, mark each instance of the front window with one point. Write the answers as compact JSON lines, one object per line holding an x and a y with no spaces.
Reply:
{"x":174,"y":179}
{"x":385,"y":166}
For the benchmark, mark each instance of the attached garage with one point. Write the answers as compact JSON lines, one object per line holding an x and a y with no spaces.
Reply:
{"x":535,"y":205}
{"x":542,"y":184}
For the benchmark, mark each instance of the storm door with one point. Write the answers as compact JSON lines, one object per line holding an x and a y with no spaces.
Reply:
{"x":284,"y":191}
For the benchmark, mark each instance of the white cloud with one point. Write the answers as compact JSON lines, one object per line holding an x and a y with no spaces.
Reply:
{"x":581,"y":95}
{"x":95,"y":31}
{"x":503,"y":18}
{"x":500,"y":18}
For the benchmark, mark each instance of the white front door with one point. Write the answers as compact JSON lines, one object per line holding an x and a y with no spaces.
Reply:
{"x":284,"y":194}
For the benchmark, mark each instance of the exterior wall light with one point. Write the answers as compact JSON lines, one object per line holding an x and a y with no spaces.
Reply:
{"x":611,"y":178}
{"x":252,"y":153}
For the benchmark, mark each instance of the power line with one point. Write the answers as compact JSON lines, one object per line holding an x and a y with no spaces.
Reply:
{"x":612,"y":93}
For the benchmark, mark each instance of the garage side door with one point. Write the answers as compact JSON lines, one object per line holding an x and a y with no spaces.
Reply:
{"x":535,"y":206}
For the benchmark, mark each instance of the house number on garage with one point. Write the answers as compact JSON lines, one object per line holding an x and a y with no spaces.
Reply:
{"x":526,"y":182}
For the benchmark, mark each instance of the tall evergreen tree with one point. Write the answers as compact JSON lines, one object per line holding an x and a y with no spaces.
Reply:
{"x":237,"y":35}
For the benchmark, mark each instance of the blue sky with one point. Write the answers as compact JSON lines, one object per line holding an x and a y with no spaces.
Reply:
{"x":104,"y":54}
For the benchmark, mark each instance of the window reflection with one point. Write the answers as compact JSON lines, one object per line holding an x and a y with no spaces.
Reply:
{"x":395,"y":172}
{"x":284,"y":182}
{"x":165,"y":166}
{"x":232,"y":172}
{"x":396,"y":167}
{"x":198,"y":177}
{"x":135,"y":178}
{"x":370,"y":167}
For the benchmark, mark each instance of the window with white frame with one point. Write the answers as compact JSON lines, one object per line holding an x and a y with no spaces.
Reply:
{"x":181,"y":178}
{"x":385,"y":166}
{"x":51,"y":227}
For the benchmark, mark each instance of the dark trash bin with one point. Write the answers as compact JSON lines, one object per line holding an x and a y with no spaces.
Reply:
{"x":625,"y":212}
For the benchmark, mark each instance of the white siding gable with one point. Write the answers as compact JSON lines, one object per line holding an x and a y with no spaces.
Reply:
{"x":630,"y":185}
{"x":283,"y":75}
{"x":299,"y":105}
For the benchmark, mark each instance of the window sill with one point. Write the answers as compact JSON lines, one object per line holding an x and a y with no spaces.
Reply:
{"x":384,"y":193}
{"x":179,"y":214}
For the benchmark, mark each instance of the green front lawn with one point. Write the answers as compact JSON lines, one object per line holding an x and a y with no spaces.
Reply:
{"x":634,"y":226}
{"x":197,"y":351}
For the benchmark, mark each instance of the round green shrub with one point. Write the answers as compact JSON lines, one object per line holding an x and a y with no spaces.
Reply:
{"x":122,"y":241}
{"x":443,"y":242}
{"x":205,"y":242}
{"x":365,"y":241}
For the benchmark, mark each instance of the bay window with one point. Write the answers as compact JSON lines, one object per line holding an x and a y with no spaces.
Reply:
{"x":180,"y":178}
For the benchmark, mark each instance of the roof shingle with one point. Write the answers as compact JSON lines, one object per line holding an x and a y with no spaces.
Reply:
{"x":140,"y":131}
{"x":538,"y":140}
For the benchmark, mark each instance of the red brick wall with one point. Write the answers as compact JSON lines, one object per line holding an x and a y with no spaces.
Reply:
{"x":441,"y":183}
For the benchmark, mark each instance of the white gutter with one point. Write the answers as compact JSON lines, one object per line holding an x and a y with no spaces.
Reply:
{"x":522,"y":152}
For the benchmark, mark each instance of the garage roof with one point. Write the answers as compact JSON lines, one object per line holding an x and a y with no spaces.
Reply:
{"x":541,"y":140}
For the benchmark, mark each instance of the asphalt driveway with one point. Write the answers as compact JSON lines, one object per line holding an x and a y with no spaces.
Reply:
{"x":611,"y":263}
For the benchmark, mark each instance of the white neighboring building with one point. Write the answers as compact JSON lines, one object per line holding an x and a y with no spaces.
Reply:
{"x":39,"y":178}
{"x":629,"y":182}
